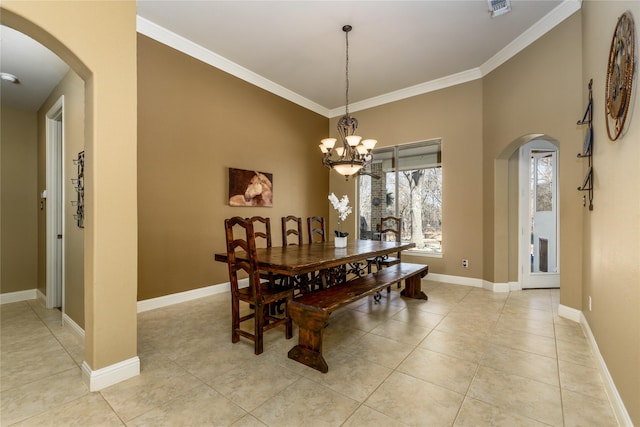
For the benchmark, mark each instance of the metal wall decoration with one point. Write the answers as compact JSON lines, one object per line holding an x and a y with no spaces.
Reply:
{"x":587,"y":149}
{"x":620,"y":74}
{"x":79,"y":186}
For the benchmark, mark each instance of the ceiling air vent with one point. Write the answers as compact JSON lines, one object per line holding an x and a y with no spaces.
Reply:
{"x":499,"y":7}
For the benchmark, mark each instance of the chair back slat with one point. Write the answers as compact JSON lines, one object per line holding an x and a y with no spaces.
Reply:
{"x":264,"y":231}
{"x":316,"y":229}
{"x":296,"y":230}
{"x":391,"y":225}
{"x":245,"y":242}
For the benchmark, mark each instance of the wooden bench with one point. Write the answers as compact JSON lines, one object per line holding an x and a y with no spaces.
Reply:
{"x":311,"y":311}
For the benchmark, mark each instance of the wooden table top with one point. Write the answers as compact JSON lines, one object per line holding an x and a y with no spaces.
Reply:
{"x":297,"y":260}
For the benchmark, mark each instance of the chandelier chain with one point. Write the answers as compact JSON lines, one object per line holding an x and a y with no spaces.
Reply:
{"x":347,"y":74}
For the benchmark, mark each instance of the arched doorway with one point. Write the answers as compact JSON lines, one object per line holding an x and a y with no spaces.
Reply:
{"x":106,"y":62}
{"x":538,"y":215}
{"x":510,"y":234}
{"x":53,"y":95}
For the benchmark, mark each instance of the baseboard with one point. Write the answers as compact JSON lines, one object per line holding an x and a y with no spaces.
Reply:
{"x":110,"y":375}
{"x":569,"y":313}
{"x":9,"y":297}
{"x":75,"y":328}
{"x":455,"y":280}
{"x":167,"y":300}
{"x":614,"y":397}
{"x":496,"y":287}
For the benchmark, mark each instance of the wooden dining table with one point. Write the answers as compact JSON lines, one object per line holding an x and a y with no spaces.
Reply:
{"x":299,"y":260}
{"x":295,"y":260}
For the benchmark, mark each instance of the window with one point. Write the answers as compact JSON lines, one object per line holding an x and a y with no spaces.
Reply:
{"x":404,"y":181}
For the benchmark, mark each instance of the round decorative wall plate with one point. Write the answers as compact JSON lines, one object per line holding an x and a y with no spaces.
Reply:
{"x":620,"y":73}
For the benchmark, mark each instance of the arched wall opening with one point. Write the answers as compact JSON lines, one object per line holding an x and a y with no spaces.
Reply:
{"x":506,"y":186}
{"x":107,"y":63}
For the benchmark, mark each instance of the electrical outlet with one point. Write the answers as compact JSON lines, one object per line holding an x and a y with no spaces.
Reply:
{"x":465,"y":263}
{"x":589,"y":302}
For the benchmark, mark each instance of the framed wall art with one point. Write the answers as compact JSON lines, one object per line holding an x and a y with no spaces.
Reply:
{"x":250,"y":188}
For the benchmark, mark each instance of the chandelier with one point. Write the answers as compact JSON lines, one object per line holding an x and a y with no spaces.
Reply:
{"x":353,"y":153}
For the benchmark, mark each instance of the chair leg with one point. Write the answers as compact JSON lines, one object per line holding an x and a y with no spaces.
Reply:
{"x":259,"y":328}
{"x":235,"y":320}
{"x":288,"y":326}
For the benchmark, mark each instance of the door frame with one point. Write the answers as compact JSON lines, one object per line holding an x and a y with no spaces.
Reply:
{"x":55,"y":173}
{"x":525,"y":277}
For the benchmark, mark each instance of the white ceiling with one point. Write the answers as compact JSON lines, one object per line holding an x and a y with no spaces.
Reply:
{"x":296,"y":49}
{"x":38,"y":69}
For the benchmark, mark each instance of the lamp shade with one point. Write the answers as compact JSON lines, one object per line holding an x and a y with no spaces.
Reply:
{"x":329,"y":142}
{"x":347,"y":168}
{"x":353,"y":140}
{"x":369,"y":143}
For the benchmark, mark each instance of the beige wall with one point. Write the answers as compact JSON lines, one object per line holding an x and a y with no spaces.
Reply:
{"x":454,"y":115}
{"x":194,"y":123}
{"x":539,"y":91}
{"x":19,"y":200}
{"x":98,"y":40}
{"x":72,"y":88}
{"x":612,"y":230}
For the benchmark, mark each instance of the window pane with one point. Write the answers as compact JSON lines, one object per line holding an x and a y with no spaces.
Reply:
{"x":544,"y":183}
{"x":411,"y":191}
{"x":376,"y":193}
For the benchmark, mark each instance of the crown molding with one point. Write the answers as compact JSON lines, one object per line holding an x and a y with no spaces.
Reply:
{"x":171,"y":39}
{"x":537,"y":30}
{"x":540,"y":28}
{"x":419,"y":89}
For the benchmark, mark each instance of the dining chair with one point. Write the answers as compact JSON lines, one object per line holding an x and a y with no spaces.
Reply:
{"x":292,"y":225}
{"x":390,"y":226}
{"x":259,"y":295}
{"x":316,"y":228}
{"x":263,"y":239}
{"x":265,"y":230}
{"x":262,"y":233}
{"x":296,"y":230}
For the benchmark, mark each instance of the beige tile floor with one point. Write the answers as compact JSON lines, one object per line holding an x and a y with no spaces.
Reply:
{"x":466,"y":357}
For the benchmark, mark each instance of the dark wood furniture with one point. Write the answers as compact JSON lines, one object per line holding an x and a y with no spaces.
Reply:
{"x":262,"y":234}
{"x":303,"y":259}
{"x":311,"y":311}
{"x":389,"y":225}
{"x":316,"y":228}
{"x":291,"y":225}
{"x":296,"y":260}
{"x":242,"y":255}
{"x":265,"y":233}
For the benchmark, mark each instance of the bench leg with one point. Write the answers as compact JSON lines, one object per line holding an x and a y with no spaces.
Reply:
{"x":311,"y":327}
{"x":413,"y":288}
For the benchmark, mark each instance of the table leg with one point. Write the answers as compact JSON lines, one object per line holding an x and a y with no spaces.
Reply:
{"x":311,"y":327}
{"x":413,"y":288}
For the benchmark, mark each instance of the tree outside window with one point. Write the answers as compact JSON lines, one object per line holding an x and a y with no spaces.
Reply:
{"x":405,"y":181}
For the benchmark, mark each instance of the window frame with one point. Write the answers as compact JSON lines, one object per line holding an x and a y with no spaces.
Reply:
{"x":397,"y":169}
